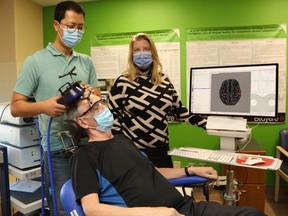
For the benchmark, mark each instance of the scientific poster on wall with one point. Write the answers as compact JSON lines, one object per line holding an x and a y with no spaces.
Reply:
{"x":241,"y":45}
{"x":109,"y":53}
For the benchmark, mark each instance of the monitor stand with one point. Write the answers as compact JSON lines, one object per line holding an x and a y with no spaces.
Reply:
{"x":228,"y":138}
{"x":228,"y":143}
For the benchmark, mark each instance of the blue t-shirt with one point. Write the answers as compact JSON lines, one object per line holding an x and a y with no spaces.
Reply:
{"x":39,"y":79}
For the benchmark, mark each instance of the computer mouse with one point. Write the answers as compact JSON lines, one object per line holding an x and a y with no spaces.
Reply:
{"x":250,"y":160}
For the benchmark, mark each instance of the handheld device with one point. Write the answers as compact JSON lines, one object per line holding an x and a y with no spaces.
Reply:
{"x":70,"y":92}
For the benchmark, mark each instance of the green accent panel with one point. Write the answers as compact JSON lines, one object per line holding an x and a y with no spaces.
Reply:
{"x":236,"y":33}
{"x":48,"y":29}
{"x":124,"y":38}
{"x":116,"y":16}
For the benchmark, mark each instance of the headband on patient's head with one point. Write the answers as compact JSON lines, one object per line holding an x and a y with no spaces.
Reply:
{"x":86,"y":96}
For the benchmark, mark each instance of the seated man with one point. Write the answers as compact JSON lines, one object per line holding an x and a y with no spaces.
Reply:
{"x":110,"y":176}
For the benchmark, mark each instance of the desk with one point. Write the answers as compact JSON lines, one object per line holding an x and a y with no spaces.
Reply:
{"x":18,"y":198}
{"x":248,"y":175}
{"x":251,"y":182}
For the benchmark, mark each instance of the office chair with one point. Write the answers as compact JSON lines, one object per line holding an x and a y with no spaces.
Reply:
{"x":67,"y":195}
{"x":192,"y":182}
{"x":71,"y":207}
{"x":68,"y":200}
{"x":282,"y":154}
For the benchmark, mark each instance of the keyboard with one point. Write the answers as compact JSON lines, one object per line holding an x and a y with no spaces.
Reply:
{"x":203,"y":154}
{"x":223,"y":157}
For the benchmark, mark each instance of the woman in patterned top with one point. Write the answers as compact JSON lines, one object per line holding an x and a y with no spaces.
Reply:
{"x":141,"y":99}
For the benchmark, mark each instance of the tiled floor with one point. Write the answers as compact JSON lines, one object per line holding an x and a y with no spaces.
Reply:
{"x":271,"y":208}
{"x":276,"y":209}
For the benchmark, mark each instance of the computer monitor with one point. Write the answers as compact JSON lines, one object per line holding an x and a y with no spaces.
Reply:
{"x":238,"y":90}
{"x":233,"y":92}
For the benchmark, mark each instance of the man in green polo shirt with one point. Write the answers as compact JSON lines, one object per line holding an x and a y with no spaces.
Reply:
{"x":41,"y":76}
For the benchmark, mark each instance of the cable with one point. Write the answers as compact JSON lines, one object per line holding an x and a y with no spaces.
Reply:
{"x":255,"y":126}
{"x":42,"y":166}
{"x":3,"y":111}
{"x":247,"y":142}
{"x":50,"y":168}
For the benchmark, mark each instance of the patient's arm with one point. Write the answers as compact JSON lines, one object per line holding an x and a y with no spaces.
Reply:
{"x":91,"y":206}
{"x":207,"y":172}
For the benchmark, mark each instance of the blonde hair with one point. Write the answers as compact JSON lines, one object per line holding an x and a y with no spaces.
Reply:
{"x":156,"y":70}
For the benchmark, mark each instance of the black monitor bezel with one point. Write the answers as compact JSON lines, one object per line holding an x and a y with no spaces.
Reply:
{"x":230,"y":66}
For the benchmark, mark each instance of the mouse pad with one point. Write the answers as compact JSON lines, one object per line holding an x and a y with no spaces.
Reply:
{"x":265,"y":161}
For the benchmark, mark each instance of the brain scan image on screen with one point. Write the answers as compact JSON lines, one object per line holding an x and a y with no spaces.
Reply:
{"x":230,"y":92}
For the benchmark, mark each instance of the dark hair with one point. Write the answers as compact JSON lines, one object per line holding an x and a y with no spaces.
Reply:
{"x":64,"y":6}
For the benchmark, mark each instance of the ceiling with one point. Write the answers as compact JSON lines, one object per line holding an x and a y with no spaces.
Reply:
{"x":54,"y":2}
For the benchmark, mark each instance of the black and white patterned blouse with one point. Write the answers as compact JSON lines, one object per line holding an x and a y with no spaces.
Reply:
{"x":140,"y":109}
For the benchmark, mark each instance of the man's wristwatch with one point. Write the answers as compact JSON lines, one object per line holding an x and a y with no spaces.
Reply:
{"x":186,"y":170}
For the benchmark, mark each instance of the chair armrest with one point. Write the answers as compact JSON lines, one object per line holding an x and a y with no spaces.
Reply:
{"x":189,"y":180}
{"x":279,"y":150}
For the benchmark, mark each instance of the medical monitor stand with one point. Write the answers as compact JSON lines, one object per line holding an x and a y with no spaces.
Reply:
{"x":229,"y":196}
{"x":228,"y":143}
{"x":228,"y":138}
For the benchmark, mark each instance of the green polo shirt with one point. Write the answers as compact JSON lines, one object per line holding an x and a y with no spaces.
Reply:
{"x":39,"y":79}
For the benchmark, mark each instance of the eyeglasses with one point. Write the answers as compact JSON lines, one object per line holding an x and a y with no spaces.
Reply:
{"x":72,"y":28}
{"x":95,"y":107}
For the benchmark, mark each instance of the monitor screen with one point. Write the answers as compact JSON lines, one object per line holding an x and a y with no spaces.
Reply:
{"x":239,"y":90}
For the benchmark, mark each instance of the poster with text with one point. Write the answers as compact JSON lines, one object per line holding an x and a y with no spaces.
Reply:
{"x":240,"y":45}
{"x":109,"y":53}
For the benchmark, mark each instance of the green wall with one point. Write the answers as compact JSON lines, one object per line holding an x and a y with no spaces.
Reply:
{"x":109,"y":16}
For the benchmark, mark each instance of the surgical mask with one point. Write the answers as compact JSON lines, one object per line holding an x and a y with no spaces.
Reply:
{"x":71,"y":39}
{"x":104,"y":120}
{"x":143,"y":60}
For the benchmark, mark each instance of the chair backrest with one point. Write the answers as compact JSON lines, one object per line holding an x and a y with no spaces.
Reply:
{"x":71,"y":207}
{"x":284,"y":138}
{"x":68,"y":201}
{"x":284,"y":145}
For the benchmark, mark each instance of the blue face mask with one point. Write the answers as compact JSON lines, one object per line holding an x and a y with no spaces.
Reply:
{"x":143,"y":60}
{"x":71,"y":39}
{"x":104,"y":120}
